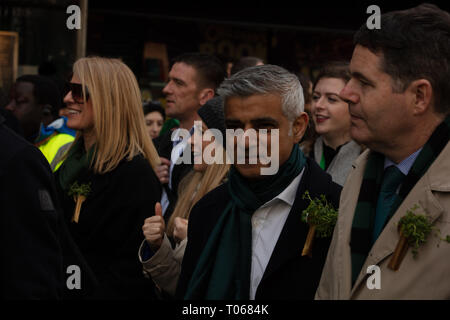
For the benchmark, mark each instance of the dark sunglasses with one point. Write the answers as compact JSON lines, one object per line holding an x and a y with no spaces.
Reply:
{"x":77,"y":92}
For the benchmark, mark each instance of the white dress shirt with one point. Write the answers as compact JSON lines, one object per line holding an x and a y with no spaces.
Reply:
{"x":267,"y":224}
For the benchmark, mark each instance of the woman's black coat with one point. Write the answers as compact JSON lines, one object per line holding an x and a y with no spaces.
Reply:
{"x":109,"y":230}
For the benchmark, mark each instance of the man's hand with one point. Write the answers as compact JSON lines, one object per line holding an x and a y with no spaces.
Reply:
{"x":154,"y":228}
{"x":162,"y":171}
{"x":180,"y":229}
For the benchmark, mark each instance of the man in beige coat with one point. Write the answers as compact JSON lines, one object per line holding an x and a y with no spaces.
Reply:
{"x":399,"y":100}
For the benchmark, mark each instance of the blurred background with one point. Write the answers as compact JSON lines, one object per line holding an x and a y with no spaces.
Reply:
{"x":299,"y":36}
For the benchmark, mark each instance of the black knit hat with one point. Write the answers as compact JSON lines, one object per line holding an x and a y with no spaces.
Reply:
{"x":212,"y":114}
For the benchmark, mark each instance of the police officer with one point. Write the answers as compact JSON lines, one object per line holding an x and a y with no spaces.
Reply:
{"x":35,"y":102}
{"x":30,"y":246}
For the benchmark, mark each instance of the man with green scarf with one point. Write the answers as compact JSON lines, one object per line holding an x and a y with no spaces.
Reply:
{"x":399,"y":100}
{"x":245,"y":238}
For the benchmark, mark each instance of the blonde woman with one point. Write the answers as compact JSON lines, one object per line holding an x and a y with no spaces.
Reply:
{"x":110,"y":164}
{"x":156,"y":254}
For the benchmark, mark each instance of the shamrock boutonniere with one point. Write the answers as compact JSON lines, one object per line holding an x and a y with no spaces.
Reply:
{"x":79,"y":193}
{"x":321,"y":217}
{"x":414,"y":230}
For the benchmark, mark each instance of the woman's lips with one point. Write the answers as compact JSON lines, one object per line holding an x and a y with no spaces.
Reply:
{"x":71,"y":111}
{"x":321,"y":119}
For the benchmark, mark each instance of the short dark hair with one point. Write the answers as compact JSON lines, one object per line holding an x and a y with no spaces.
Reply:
{"x":415,"y":44}
{"x":245,"y":62}
{"x":209,"y":68}
{"x":152,"y":107}
{"x":45,"y":91}
{"x":336,"y":69}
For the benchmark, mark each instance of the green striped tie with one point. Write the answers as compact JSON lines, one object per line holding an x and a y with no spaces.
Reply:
{"x":391,"y":180}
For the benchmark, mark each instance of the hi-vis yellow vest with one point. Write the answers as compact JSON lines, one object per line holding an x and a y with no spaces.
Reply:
{"x":53,"y":148}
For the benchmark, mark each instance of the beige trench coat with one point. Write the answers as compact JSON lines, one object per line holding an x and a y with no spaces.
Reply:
{"x":164,"y":266}
{"x":427,"y":276}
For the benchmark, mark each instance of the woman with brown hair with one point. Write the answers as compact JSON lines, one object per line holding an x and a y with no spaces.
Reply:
{"x":107,"y":183}
{"x":334,"y":150}
{"x":156,"y":254}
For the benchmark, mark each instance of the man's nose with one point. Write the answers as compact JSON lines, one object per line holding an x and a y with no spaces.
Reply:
{"x":349,"y":94}
{"x":251,"y":136}
{"x":167,"y":88}
{"x":11,"y":106}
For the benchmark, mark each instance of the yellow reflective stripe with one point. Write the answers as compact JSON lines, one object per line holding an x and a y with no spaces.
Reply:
{"x":51,"y":147}
{"x":58,"y":165}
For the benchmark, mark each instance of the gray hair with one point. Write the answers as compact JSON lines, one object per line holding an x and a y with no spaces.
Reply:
{"x":267,"y":79}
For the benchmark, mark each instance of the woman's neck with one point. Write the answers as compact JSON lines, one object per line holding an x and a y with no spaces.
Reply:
{"x":334,"y":141}
{"x":89,"y":139}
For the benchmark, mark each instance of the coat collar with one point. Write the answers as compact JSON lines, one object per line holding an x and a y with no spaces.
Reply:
{"x":435,"y":179}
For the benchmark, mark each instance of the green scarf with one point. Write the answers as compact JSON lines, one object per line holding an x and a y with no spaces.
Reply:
{"x":223,"y":269}
{"x":77,"y":161}
{"x":364,"y":219}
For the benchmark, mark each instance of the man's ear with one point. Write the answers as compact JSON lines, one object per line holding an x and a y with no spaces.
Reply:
{"x":299,"y":126}
{"x":421,"y":95}
{"x":205,"y":95}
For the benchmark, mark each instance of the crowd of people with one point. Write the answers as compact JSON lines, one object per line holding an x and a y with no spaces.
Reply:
{"x":95,"y":181}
